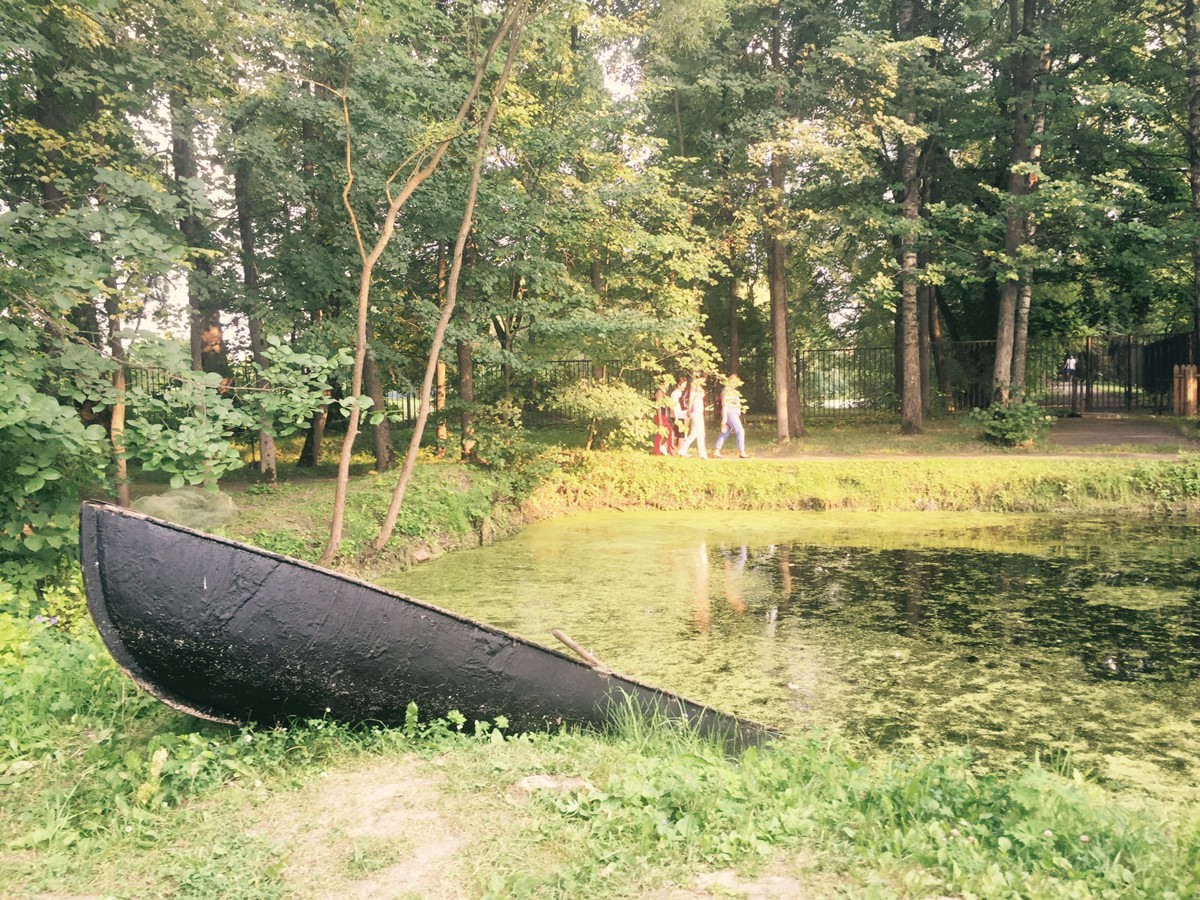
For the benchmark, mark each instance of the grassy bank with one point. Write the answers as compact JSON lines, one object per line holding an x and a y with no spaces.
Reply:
{"x":451,"y":506}
{"x":960,"y":483}
{"x":106,"y":793}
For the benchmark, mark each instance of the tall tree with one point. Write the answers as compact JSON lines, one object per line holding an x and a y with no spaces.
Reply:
{"x":911,"y":396}
{"x":1025,"y":22}
{"x":1191,"y":31}
{"x":415,"y":170}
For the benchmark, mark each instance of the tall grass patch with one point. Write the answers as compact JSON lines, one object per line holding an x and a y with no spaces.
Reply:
{"x":663,"y":809}
{"x":1008,"y":484}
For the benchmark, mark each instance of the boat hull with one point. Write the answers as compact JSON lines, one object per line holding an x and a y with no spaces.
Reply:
{"x":236,"y":634}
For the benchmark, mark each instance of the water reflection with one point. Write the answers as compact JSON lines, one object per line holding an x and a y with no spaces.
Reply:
{"x":1013,"y":635}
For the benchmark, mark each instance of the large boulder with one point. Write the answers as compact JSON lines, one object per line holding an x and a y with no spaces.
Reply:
{"x":193,"y":507}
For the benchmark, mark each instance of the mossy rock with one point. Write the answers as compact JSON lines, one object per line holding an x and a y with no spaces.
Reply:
{"x":193,"y":507}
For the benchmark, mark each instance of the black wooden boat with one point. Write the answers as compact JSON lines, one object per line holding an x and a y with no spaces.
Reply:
{"x":235,"y":634}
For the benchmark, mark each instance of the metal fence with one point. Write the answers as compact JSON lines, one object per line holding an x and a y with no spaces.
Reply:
{"x":1111,"y":372}
{"x":1102,"y":373}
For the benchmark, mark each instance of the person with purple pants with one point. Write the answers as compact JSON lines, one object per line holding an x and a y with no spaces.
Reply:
{"x":730,"y":416}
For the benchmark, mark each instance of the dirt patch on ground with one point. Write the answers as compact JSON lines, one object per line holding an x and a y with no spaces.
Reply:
{"x":775,"y":885}
{"x":373,"y":833}
{"x":397,"y":830}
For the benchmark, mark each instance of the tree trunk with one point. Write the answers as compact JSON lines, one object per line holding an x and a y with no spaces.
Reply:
{"x":1021,"y":333}
{"x":780,"y":345}
{"x":207,"y":338}
{"x":939,"y":352}
{"x":924,"y":299}
{"x":116,"y":418}
{"x":381,"y":431}
{"x":466,"y":390}
{"x":268,"y":468}
{"x":1025,"y":285}
{"x":1021,"y":25}
{"x":735,"y":309}
{"x":439,"y":404}
{"x":911,"y":402}
{"x":788,"y":422}
{"x":439,"y":391}
{"x":465,"y":351}
{"x":596,"y":274}
{"x":310,"y":453}
{"x":503,"y":329}
{"x":1192,"y":41}
{"x":267,"y":464}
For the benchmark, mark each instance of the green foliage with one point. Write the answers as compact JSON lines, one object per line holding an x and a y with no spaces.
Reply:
{"x":500,"y":437}
{"x":287,"y":543}
{"x":188,"y":428}
{"x":614,"y":414}
{"x":1017,"y":424}
{"x":48,"y":454}
{"x":1170,"y":483}
{"x":516,"y":459}
{"x":299,"y":384}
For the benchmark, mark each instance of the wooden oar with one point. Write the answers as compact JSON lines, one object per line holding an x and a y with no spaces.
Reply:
{"x":585,"y":655}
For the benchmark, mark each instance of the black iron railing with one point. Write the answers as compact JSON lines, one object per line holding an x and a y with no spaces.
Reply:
{"x":1112,"y":372}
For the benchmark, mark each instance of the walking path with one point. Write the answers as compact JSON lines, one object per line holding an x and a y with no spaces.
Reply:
{"x":1143,"y":432}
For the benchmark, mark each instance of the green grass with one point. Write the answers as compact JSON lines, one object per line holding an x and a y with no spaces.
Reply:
{"x":108,"y":793}
{"x":1008,"y":484}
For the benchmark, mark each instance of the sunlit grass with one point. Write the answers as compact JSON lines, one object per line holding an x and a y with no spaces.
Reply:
{"x":112,"y":793}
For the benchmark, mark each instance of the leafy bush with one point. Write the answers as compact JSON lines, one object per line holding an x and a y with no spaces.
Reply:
{"x":48,"y":454}
{"x":615,"y":415}
{"x":186,"y":430}
{"x":500,"y":437}
{"x":1018,"y":424}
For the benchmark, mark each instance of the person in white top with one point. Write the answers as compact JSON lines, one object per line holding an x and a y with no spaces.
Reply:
{"x":679,"y":413}
{"x":694,"y":404}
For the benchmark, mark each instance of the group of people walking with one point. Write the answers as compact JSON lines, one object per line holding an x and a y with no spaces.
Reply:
{"x":680,"y":418}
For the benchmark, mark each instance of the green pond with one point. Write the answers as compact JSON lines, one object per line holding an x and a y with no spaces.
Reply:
{"x":1078,"y":641}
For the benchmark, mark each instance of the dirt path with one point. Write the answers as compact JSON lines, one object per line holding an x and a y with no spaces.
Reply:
{"x":1121,"y":431}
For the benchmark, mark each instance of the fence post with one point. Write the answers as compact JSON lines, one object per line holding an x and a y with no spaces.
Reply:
{"x":1128,"y":372}
{"x":1087,"y":388}
{"x":1184,"y":395}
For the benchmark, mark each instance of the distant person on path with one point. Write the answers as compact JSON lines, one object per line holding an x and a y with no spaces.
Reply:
{"x":729,"y":414}
{"x":664,"y":421}
{"x":680,"y":412}
{"x":694,"y":405}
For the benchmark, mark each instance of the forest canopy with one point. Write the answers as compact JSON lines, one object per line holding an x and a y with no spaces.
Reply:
{"x":659,"y":187}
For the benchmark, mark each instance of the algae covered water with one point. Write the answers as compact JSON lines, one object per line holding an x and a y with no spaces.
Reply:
{"x":1075,"y":640}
